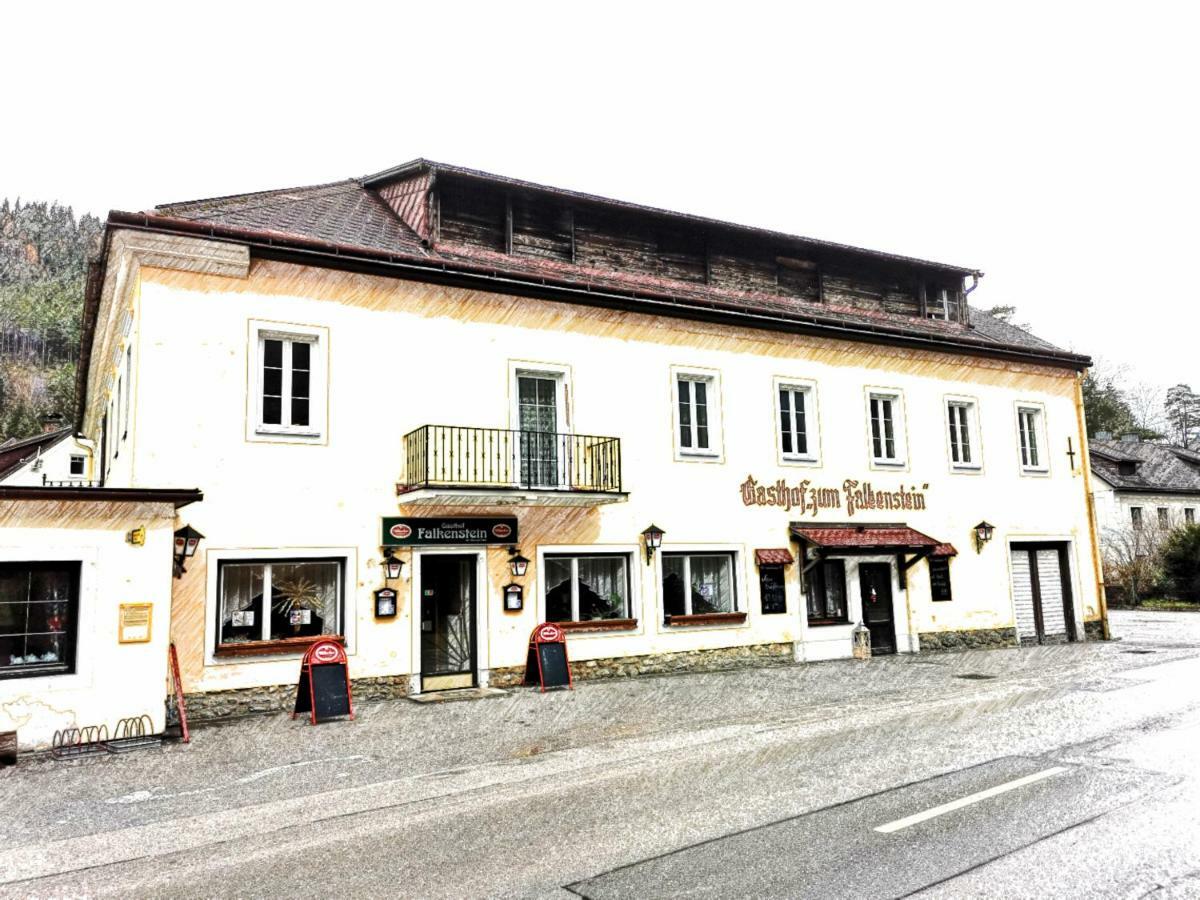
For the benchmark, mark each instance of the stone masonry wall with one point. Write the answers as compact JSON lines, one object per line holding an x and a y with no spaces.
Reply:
{"x":273,"y":698}
{"x":662,"y":663}
{"x":978,"y":639}
{"x":1094,"y":630}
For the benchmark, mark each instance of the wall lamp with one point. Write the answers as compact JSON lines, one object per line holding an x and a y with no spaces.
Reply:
{"x":983,"y":534}
{"x":187,"y":540}
{"x":653,"y":537}
{"x":517,"y":564}
{"x":391,"y":566}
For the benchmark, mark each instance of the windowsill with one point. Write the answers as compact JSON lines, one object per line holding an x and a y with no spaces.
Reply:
{"x":285,"y":432}
{"x":598,"y":625}
{"x":43,"y":671}
{"x":697,"y":455}
{"x":730,"y":618}
{"x":268,"y":648}
{"x":1035,"y":470}
{"x":890,"y":463}
{"x":965,"y":467}
{"x":795,"y":458}
{"x":827,"y":623}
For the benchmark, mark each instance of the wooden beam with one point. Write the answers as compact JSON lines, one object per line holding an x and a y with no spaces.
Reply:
{"x":508,"y":223}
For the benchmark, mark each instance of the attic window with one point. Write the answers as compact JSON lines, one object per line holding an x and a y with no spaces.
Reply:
{"x":1127,"y":467}
{"x":941,"y":303}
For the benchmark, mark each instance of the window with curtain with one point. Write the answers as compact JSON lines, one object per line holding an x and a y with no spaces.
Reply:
{"x":273,"y":600}
{"x":697,"y":583}
{"x":587,"y":588}
{"x":825,"y":589}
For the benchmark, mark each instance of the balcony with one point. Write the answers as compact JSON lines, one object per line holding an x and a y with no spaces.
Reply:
{"x":462,"y":465}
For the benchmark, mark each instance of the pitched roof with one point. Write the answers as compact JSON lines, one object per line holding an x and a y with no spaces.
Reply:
{"x":774,"y":557}
{"x":1160,"y":468}
{"x":348,"y":223}
{"x":15,"y":453}
{"x":890,"y":538}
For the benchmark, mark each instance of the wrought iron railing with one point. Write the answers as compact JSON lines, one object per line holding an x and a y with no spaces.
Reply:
{"x":462,"y":456}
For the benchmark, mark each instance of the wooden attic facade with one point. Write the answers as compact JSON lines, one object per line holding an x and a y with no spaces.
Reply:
{"x":478,"y":215}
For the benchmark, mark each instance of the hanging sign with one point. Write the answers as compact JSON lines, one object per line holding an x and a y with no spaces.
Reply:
{"x":424,"y":532}
{"x":547,"y":658}
{"x":324,"y":688}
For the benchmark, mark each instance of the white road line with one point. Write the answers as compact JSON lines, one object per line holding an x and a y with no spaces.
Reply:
{"x":969,"y":799}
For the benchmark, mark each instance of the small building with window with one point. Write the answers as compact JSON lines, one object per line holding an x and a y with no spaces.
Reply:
{"x":1137,"y":485}
{"x":497,"y":387}
{"x":56,"y":457}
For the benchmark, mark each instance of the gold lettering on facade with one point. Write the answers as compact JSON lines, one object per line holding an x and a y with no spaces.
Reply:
{"x":853,"y":496}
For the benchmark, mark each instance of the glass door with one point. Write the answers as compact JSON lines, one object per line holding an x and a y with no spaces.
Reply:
{"x":538,"y":421}
{"x":448,"y":619}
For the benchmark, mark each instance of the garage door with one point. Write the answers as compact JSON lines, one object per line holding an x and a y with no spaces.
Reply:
{"x":1041,"y":593}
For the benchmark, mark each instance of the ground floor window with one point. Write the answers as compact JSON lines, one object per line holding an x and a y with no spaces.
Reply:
{"x":698,"y":583}
{"x":587,"y":588}
{"x":273,"y":600}
{"x":39,"y":607}
{"x":825,"y":587}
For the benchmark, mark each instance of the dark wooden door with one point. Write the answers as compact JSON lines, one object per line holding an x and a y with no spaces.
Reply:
{"x":875,"y":585}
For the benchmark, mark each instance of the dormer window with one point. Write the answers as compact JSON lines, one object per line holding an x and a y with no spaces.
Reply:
{"x":941,"y":303}
{"x":1127,"y":467}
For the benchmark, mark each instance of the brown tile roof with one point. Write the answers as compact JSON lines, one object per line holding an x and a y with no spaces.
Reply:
{"x":774,"y":557}
{"x":889,"y":538}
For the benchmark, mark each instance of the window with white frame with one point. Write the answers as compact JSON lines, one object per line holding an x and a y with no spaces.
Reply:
{"x":39,"y":608}
{"x":962,"y":434}
{"x":1030,"y":437}
{"x":78,"y":466}
{"x":698,"y":583}
{"x":797,"y":421}
{"x":289,"y":384}
{"x":887,"y":428}
{"x":697,"y":414}
{"x":587,"y":587}
{"x":273,"y":600}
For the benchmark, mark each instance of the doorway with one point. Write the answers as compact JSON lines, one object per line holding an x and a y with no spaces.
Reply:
{"x":875,"y":586}
{"x":539,"y":416}
{"x":448,"y":621}
{"x":1042,"y":599}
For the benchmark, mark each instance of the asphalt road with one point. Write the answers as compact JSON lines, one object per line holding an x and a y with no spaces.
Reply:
{"x":1066,"y":772}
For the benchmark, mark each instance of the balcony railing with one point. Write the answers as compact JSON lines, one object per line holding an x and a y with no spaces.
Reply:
{"x":446,"y":456}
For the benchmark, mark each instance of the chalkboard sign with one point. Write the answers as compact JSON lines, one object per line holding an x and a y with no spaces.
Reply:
{"x":324,"y":688}
{"x":770,"y":586}
{"x":546,"y":663}
{"x":939,"y":577}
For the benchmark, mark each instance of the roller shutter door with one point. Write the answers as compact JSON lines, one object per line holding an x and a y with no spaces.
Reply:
{"x":1023,"y":597}
{"x":1050,"y":581}
{"x":1043,"y":614}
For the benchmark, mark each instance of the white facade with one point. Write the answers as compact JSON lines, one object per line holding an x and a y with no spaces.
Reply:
{"x":66,"y":461}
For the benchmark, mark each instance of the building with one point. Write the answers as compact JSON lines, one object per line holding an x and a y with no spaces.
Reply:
{"x":1139,"y":485}
{"x":474,"y":377}
{"x":56,"y":456}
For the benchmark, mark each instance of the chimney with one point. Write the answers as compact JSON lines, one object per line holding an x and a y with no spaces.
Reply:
{"x":1131,"y":439}
{"x":1103,"y":436}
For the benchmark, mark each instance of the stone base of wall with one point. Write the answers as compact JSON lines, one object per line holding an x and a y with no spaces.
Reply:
{"x":976,"y":639}
{"x":273,"y":698}
{"x":1093,"y":631}
{"x":717,"y":660}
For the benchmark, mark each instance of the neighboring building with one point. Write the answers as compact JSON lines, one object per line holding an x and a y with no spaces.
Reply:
{"x":1143,"y":485}
{"x":53,"y":457}
{"x":459,"y":368}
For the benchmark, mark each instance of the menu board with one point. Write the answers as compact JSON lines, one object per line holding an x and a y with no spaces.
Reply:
{"x":939,"y":578}
{"x":771,"y":589}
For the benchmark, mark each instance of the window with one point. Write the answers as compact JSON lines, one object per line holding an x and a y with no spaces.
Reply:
{"x":941,"y":303}
{"x":1135,"y":516}
{"x":887,"y":440}
{"x":289,"y":383}
{"x":278,"y":599}
{"x":1189,"y":516}
{"x":78,"y":465}
{"x":939,"y":578}
{"x":128,"y":379}
{"x":797,"y":422}
{"x":587,"y":588}
{"x":1164,"y":517}
{"x":697,"y":414}
{"x":39,"y":605}
{"x":826,"y":593}
{"x":116,"y":407}
{"x":698,"y":583}
{"x":1029,"y":424}
{"x":964,"y":445}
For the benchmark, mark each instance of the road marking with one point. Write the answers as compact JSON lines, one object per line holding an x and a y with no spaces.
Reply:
{"x":969,"y":799}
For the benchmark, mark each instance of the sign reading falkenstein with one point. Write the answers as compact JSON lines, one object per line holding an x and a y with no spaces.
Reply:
{"x":853,"y":496}
{"x":408,"y":532}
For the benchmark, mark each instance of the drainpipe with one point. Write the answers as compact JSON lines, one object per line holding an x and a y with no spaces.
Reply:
{"x":1093,"y":529}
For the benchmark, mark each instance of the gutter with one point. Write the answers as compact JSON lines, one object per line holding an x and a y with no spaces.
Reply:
{"x":273,"y":245}
{"x":178,"y":496}
{"x":1085,"y":464}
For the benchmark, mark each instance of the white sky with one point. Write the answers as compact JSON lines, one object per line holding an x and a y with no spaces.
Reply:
{"x":1053,"y":146}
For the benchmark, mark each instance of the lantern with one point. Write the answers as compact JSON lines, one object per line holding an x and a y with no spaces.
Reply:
{"x":187,"y":540}
{"x":983,"y":534}
{"x":391,"y":566}
{"x":653,"y":537}
{"x":517,"y":564}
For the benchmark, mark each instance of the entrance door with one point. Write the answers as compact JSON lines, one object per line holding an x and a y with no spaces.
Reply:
{"x":875,"y":585}
{"x":538,"y":420}
{"x":447,"y":621}
{"x":1042,"y":593}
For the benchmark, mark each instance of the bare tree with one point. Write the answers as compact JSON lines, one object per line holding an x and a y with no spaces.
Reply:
{"x":1132,"y":558}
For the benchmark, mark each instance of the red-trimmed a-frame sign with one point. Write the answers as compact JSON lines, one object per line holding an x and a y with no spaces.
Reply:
{"x":547,"y":658}
{"x":324,"y":688}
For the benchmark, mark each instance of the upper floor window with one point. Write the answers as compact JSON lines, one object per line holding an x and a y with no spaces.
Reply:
{"x":1189,"y":516}
{"x":1164,"y":517}
{"x":289,"y":383}
{"x":1031,"y":435}
{"x":887,"y":428}
{"x":941,"y":303}
{"x":1135,"y":516}
{"x":39,"y":603}
{"x":963,"y":434}
{"x":797,"y":421}
{"x":78,"y":466}
{"x":273,"y":600}
{"x":697,"y":414}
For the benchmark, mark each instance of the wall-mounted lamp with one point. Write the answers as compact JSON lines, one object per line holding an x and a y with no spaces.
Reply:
{"x":653,"y":537}
{"x":517,"y":564}
{"x":187,"y":540}
{"x":983,"y":534}
{"x":391,"y":566}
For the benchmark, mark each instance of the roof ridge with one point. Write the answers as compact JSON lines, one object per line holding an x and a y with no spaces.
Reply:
{"x":175,"y":206}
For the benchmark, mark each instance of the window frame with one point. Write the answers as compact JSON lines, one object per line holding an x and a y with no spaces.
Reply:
{"x":735,"y":575}
{"x":574,"y":556}
{"x":69,"y":665}
{"x":220,"y":649}
{"x":714,"y":452}
{"x":970,"y":406}
{"x":899,"y":429}
{"x":1189,"y":515}
{"x":811,"y":583}
{"x":1164,"y":516}
{"x":317,"y":337}
{"x":1136,"y":519}
{"x":82,"y":473}
{"x":812,"y":431}
{"x":1039,"y":446}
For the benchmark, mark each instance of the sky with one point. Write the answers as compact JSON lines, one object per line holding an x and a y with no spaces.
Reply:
{"x":1053,"y":146}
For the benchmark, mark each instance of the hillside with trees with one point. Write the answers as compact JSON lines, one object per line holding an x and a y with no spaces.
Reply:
{"x":44,"y":251}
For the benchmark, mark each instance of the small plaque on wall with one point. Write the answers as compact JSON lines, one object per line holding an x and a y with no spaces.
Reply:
{"x":134,"y":623}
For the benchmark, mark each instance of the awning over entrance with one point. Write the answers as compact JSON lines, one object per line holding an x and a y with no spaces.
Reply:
{"x":897,"y":540}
